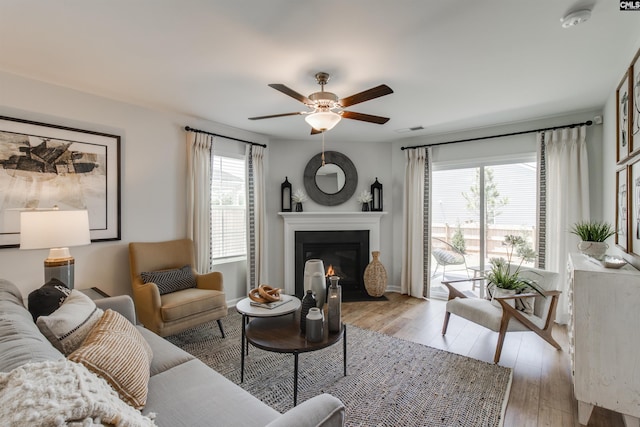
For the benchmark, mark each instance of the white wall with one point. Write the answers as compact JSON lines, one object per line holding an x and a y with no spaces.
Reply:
{"x":153,"y":179}
{"x":153,"y":171}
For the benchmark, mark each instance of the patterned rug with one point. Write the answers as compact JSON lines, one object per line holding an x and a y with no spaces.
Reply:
{"x":389,"y":382}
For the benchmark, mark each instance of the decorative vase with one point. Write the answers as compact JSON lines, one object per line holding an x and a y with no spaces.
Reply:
{"x":308,"y":302}
{"x":596,"y":250}
{"x":334,"y":305}
{"x":315,"y":330}
{"x":298,"y":206}
{"x":375,"y":276}
{"x":365,"y":207}
{"x":500,"y":292}
{"x":315,"y":280}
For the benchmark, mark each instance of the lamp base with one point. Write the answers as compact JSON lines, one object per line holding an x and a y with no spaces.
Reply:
{"x":61,"y":269}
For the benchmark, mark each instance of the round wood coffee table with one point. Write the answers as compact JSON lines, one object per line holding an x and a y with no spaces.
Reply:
{"x":283,"y":335}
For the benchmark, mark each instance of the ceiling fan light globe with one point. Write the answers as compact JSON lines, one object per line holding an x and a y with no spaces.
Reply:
{"x":323,"y":120}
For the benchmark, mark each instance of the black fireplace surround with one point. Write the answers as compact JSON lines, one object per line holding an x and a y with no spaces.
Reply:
{"x":347,"y":252}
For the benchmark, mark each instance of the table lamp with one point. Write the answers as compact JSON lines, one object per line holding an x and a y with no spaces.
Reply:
{"x":55,"y":230}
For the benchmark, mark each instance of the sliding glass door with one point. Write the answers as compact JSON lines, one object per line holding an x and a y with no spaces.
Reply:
{"x":473,"y":208}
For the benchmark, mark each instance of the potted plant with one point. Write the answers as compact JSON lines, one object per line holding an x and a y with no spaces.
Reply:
{"x":299,"y":197}
{"x":593,"y":235}
{"x":364,"y":199}
{"x":505,"y":278}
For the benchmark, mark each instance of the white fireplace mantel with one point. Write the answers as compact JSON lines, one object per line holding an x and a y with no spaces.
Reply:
{"x":324,"y":221}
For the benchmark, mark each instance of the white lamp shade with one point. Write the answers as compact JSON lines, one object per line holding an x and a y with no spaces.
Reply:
{"x":323,"y":120}
{"x":54,"y":229}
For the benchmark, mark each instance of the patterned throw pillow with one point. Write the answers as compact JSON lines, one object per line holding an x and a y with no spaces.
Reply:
{"x":48,"y":298}
{"x":171,"y":280}
{"x":117,"y":352}
{"x":69,"y":325}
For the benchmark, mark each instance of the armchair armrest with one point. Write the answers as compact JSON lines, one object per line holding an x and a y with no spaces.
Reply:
{"x":123,"y":304}
{"x":212,"y":281}
{"x":529,"y":294}
{"x":455,"y":293}
{"x":323,"y":410}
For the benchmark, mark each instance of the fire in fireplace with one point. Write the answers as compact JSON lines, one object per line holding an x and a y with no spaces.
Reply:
{"x":344,"y":254}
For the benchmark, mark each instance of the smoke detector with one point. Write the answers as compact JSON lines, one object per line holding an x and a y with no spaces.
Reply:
{"x":575,"y":18}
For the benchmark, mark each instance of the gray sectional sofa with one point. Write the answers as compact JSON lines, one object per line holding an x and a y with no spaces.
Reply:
{"x":182,"y":391}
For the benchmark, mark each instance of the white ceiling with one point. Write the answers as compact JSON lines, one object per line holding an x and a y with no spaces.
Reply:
{"x":453,"y":65}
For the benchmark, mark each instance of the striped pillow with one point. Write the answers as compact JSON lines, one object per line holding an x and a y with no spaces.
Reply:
{"x":70,"y":324}
{"x":171,"y":280}
{"x":117,"y":352}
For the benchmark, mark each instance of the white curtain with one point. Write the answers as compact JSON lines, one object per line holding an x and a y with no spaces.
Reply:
{"x":199,"y":149}
{"x":256,"y":227}
{"x":567,"y":177}
{"x":416,"y":223}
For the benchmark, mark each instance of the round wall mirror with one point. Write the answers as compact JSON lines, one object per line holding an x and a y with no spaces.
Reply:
{"x":331,"y":184}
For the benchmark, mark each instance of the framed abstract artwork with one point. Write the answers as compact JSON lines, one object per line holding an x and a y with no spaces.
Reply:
{"x":622,"y":208}
{"x":634,"y":208}
{"x":623,"y":102}
{"x":44,"y":165}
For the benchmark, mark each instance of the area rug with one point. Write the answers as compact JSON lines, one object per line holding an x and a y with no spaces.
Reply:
{"x":389,"y":382}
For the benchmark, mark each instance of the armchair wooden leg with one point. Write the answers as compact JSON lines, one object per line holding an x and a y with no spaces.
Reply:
{"x":501,"y":335}
{"x":446,"y":322}
{"x":221,"y":330}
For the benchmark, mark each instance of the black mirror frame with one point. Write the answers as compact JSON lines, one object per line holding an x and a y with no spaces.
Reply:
{"x":350,"y":178}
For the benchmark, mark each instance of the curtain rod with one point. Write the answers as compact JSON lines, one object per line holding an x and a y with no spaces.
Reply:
{"x":588,"y":123}
{"x":190,"y":129}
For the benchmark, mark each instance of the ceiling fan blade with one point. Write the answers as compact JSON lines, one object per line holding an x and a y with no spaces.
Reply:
{"x":276,"y":115}
{"x":292,"y":93}
{"x":372,"y":93}
{"x":365,"y":117}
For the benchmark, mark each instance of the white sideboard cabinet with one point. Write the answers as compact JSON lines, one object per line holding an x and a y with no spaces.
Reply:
{"x":604,"y":338}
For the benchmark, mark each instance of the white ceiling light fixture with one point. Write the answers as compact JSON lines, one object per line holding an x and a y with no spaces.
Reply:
{"x":575,"y":18}
{"x":323,"y":120}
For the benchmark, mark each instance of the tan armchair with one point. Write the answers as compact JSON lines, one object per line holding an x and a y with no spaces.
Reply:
{"x":174,"y":312}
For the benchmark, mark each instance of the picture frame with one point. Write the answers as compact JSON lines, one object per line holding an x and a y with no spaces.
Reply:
{"x":634,"y":208}
{"x":634,"y":107}
{"x":622,"y":208}
{"x":623,"y":103}
{"x":45,"y":165}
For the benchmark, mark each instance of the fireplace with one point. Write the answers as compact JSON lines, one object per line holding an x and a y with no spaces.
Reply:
{"x":329,"y":221}
{"x":344,"y":254}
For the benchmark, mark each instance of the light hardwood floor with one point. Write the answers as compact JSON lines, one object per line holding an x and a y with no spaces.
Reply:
{"x":541,"y":392}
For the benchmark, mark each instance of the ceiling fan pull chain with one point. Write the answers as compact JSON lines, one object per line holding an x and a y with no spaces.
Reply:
{"x":322,"y":148}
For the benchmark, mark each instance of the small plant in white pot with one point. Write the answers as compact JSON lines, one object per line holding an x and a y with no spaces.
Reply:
{"x":593,"y":235}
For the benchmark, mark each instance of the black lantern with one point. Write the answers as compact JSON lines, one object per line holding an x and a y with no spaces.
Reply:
{"x":285,"y":196}
{"x":376,"y":193}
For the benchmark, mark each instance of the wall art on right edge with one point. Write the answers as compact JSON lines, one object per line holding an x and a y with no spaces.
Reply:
{"x":634,"y":208}
{"x":622,"y":208}
{"x":623,"y":102}
{"x":634,"y":116}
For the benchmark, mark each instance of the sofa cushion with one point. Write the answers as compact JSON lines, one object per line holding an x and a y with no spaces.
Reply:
{"x":170,"y":280}
{"x":20,"y":340}
{"x":165,"y":354}
{"x":213,"y":399}
{"x":188,"y":302}
{"x":48,"y":298}
{"x":69,"y":325}
{"x":117,"y":352}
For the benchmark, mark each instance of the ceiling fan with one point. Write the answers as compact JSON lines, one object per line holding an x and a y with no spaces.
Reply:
{"x":326,"y":109}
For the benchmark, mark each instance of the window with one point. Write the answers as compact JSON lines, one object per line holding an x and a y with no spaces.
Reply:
{"x":228,"y":208}
{"x":474,"y":221}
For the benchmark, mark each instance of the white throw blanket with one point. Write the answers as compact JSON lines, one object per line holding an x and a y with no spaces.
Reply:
{"x":62,"y":393}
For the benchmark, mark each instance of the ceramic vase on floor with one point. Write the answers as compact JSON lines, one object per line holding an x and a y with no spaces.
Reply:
{"x":375,"y":276}
{"x":314,"y":279}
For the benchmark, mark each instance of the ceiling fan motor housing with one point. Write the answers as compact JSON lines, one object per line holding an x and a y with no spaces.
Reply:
{"x":324,"y":99}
